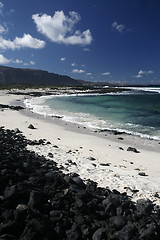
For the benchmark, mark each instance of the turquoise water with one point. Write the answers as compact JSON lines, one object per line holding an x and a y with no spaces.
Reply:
{"x":136,"y":112}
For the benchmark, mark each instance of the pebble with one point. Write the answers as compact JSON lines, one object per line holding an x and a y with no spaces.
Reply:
{"x":132,"y":149}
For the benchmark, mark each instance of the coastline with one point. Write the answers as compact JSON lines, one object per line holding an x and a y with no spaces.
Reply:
{"x":102,"y":157}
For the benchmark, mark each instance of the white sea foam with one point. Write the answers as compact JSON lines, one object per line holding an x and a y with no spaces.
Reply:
{"x":38,"y":105}
{"x":146,"y":89}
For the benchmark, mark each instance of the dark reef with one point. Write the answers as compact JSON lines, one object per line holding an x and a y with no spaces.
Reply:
{"x":39,"y":202}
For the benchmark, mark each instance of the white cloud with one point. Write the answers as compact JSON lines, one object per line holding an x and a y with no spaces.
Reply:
{"x":26,"y":41}
{"x":29,"y":63}
{"x":118,"y":27}
{"x":32,"y":63}
{"x":59,"y":28}
{"x":86,"y":49}
{"x":106,"y":74}
{"x":18,"y":61}
{"x":63,"y":59}
{"x":2,"y":29}
{"x":138,"y":76}
{"x":89,"y":74}
{"x":78,"y":71}
{"x":73,"y":64}
{"x":3,"y":60}
{"x":141,"y":72}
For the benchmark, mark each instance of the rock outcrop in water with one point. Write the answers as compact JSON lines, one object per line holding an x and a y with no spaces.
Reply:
{"x":39,"y":202}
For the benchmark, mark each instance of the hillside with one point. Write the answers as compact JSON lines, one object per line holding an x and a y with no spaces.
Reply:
{"x":33,"y":77}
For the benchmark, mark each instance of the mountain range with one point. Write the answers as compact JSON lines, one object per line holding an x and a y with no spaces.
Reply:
{"x":10,"y":76}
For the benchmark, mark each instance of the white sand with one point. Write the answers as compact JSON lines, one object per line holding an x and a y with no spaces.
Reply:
{"x":77,"y":144}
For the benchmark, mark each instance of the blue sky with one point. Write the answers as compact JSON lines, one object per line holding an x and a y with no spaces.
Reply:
{"x":95,"y":40}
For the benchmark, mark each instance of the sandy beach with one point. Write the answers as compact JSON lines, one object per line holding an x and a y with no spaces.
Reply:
{"x":101,"y":157}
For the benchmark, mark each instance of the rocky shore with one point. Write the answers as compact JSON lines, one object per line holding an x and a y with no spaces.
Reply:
{"x":38,"y":201}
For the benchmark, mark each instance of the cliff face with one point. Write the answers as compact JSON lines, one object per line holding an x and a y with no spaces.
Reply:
{"x":18,"y":76}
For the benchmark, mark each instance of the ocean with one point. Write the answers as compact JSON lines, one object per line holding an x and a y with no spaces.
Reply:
{"x":135,"y":112}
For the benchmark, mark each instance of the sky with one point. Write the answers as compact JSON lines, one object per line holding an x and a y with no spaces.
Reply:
{"x":116,"y":41}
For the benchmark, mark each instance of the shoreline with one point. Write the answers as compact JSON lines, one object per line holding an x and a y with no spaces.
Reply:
{"x":114,"y":135}
{"x":36,"y":108}
{"x":103,"y":159}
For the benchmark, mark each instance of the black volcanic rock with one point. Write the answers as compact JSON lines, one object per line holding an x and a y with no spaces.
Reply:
{"x":33,"y":77}
{"x":17,"y":108}
{"x":31,"y":126}
{"x":39,"y":202}
{"x":132,"y":149}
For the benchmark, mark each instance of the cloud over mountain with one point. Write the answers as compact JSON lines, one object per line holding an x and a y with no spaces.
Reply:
{"x":3,"y":60}
{"x":106,"y":74}
{"x":78,"y":71}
